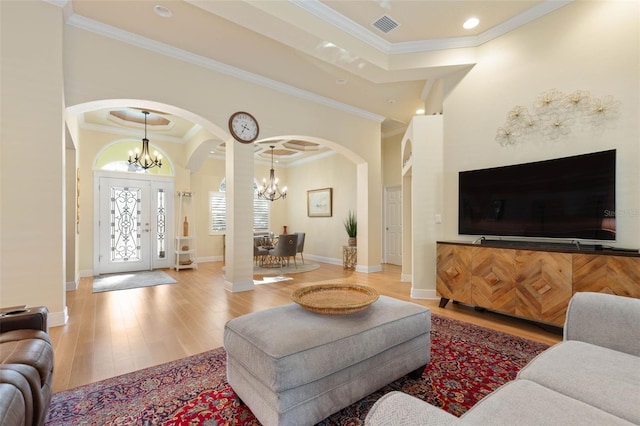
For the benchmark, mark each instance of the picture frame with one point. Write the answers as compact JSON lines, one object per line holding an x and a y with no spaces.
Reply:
{"x":320,"y":202}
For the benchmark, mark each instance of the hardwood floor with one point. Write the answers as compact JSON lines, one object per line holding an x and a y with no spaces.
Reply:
{"x":117,"y":332}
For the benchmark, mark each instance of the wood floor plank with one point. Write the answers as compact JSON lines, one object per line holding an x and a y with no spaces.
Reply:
{"x":118,"y":332}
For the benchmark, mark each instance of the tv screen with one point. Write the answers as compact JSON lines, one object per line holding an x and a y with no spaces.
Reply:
{"x":571,"y":198}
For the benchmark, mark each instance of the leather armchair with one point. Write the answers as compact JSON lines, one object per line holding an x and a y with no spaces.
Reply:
{"x":26,"y":368}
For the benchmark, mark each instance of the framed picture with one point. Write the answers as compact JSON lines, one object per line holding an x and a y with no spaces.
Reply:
{"x":320,"y":202}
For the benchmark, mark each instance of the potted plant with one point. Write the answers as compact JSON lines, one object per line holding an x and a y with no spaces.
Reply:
{"x":351,"y":226}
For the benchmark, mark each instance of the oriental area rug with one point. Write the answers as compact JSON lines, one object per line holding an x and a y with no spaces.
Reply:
{"x":467,"y":363}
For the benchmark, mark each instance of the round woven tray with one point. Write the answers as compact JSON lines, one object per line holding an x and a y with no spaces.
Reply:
{"x":335,"y":299}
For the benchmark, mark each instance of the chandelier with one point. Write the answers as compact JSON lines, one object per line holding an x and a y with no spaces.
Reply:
{"x":269,"y":190}
{"x":143,"y":159}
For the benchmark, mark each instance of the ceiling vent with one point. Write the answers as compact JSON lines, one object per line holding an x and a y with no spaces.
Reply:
{"x":385,"y":24}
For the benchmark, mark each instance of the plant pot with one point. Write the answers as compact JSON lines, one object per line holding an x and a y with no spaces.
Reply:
{"x":353,"y":241}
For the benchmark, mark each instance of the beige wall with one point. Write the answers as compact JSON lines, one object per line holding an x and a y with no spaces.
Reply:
{"x":325,"y":236}
{"x":591,"y":46}
{"x":391,"y":160}
{"x":72,"y":273}
{"x":210,"y":98}
{"x":33,"y":158}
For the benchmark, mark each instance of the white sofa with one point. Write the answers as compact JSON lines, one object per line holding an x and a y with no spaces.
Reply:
{"x":591,"y":378}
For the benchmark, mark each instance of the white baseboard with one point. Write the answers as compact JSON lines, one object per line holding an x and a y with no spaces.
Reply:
{"x":237,"y":287}
{"x":57,"y":319}
{"x":418,"y":293}
{"x":323,"y":259}
{"x":333,"y":261}
{"x":368,"y":269}
{"x":406,"y":278}
{"x":73,"y":285}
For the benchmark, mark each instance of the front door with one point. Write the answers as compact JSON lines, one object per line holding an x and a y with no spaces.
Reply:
{"x":133,"y":224}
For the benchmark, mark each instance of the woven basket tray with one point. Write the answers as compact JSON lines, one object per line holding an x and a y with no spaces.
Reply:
{"x":335,"y":299}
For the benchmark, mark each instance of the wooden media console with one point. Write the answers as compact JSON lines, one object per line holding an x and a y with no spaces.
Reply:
{"x":531,"y":282}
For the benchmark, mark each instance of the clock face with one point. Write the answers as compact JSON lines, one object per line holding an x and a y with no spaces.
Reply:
{"x":243,"y":127}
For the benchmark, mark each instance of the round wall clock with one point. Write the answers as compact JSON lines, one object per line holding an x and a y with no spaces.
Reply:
{"x":243,"y":127}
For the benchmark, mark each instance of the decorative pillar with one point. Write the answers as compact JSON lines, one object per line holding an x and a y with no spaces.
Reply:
{"x":239,"y":234}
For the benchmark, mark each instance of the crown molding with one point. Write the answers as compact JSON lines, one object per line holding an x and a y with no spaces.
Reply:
{"x":57,"y":3}
{"x":330,"y":16}
{"x":183,"y":55}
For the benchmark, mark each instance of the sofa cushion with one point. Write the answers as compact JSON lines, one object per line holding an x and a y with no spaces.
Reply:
{"x":604,"y":378}
{"x":522,"y":403}
{"x":397,"y":409}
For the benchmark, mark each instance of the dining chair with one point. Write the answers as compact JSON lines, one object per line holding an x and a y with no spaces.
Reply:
{"x":285,"y":248}
{"x":300,"y":246}
{"x":259,"y":252}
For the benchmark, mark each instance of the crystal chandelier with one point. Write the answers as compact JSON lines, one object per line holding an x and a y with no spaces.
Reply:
{"x":269,"y":190}
{"x":143,"y":159}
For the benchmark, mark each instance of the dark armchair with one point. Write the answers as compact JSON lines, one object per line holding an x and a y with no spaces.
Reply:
{"x":26,"y":367}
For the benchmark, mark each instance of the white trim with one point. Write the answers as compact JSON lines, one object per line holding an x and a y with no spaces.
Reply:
{"x":333,"y":261}
{"x":237,"y":287}
{"x":418,"y":293}
{"x":58,"y":3}
{"x":167,"y":50}
{"x":210,"y":259}
{"x":406,"y":278}
{"x":330,"y":260}
{"x":330,"y":16}
{"x":72,"y":285}
{"x":369,"y":269}
{"x":56,"y":319}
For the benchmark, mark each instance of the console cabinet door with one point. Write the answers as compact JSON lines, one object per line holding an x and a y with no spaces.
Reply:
{"x":493,"y":278}
{"x":543,"y":285}
{"x":453,"y":272}
{"x":607,"y":274}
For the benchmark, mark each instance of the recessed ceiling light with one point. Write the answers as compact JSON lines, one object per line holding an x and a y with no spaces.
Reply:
{"x":420,"y":111}
{"x":341,"y":81}
{"x":471,"y":23}
{"x":391,"y":101}
{"x":163,"y":11}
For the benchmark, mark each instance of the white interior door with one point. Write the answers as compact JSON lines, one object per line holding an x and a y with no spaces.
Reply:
{"x":393,"y":225}
{"x":134,"y":219}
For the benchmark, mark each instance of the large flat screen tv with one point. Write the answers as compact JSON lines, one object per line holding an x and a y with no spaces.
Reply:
{"x":567,"y":198}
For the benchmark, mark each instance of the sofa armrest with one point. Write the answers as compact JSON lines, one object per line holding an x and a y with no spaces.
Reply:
{"x":605,"y":320}
{"x":400,"y":409}
{"x":34,"y":318}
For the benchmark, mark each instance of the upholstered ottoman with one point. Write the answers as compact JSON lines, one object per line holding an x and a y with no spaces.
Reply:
{"x":295,"y":367}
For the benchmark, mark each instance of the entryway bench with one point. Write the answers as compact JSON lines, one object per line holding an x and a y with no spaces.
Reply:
{"x":295,"y":367}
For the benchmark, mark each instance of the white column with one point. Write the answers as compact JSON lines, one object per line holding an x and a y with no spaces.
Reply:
{"x":426,"y":202}
{"x":239,"y":234}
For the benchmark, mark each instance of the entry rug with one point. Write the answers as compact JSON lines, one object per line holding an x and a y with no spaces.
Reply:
{"x":128,"y":280}
{"x":467,"y":363}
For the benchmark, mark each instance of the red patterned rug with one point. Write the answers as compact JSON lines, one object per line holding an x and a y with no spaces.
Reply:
{"x":467,"y":363}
